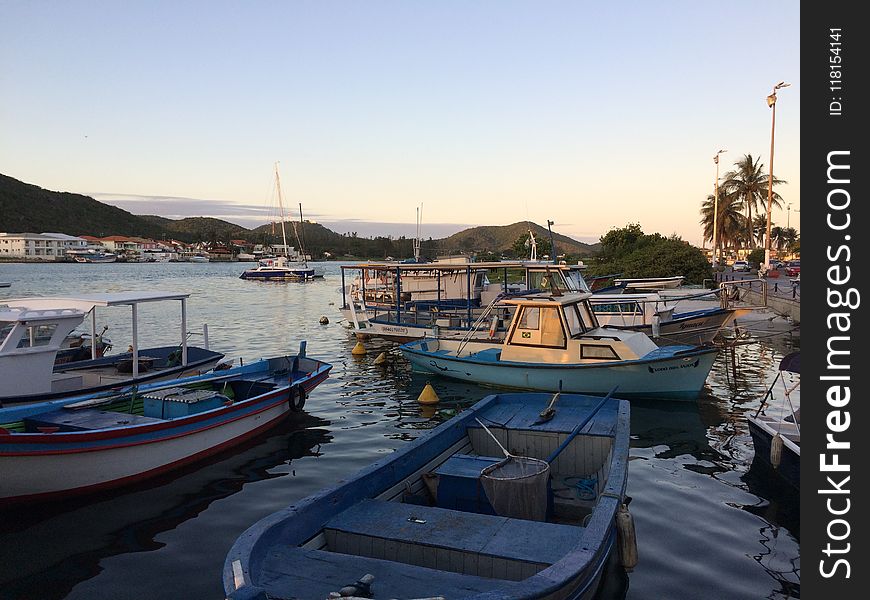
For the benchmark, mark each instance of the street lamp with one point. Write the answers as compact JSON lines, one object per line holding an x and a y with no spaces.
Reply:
{"x":788,"y":216}
{"x":716,"y":207}
{"x":771,"y":102}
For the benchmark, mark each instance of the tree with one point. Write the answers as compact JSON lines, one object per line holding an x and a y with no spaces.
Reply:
{"x":729,"y":222}
{"x":749,"y":184}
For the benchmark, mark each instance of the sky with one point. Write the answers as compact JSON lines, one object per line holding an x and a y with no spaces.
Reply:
{"x":592,"y":115}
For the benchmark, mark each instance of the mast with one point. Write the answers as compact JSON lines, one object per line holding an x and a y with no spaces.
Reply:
{"x":417,"y":240}
{"x":301,"y":239}
{"x":281,"y":205}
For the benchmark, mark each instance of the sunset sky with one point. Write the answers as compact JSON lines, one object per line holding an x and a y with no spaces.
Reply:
{"x":590,"y":114}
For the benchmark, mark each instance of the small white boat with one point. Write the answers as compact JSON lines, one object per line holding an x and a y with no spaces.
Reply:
{"x":33,"y":332}
{"x":95,"y":257}
{"x":4,"y":284}
{"x":198,"y":258}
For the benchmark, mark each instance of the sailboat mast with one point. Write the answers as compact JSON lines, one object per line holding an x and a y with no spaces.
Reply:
{"x":301,"y":238}
{"x":281,"y":205}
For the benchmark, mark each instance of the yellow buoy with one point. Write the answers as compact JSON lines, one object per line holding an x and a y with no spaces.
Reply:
{"x":428,"y":395}
{"x":381,"y":359}
{"x":359,"y":349}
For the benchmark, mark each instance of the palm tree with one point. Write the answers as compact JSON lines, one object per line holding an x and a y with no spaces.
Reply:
{"x":759,"y":228}
{"x":750,"y":185}
{"x":729,"y":221}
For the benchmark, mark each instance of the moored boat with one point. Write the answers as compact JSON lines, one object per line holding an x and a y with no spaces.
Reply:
{"x":33,"y":331}
{"x":89,"y":443}
{"x":775,"y":428}
{"x":441,"y":517}
{"x":555,"y":342}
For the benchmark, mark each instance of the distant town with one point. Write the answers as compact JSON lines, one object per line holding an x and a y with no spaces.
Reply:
{"x":60,"y":247}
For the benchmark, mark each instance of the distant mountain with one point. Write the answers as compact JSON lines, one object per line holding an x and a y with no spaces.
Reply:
{"x":27,"y":208}
{"x":500,"y":239}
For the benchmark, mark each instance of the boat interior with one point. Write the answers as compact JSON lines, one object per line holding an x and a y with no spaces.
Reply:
{"x":139,"y":408}
{"x":436,"y":529}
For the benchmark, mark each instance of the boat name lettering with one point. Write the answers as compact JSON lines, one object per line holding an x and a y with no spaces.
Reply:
{"x":692,"y":325}
{"x":673,"y":367}
{"x":393,"y":329}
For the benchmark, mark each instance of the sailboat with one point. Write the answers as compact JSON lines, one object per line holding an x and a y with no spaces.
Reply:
{"x":281,"y":268}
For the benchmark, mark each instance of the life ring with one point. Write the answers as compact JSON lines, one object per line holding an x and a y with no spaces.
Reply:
{"x":297,"y":398}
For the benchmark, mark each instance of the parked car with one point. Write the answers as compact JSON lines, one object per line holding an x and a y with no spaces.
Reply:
{"x":740,"y":265}
{"x":776,"y":264}
{"x":793,"y":267}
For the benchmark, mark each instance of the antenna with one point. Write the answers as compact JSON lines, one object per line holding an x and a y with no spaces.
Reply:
{"x":417,"y":240}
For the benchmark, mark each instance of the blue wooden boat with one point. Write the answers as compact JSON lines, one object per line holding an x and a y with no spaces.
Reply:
{"x":776,"y":427}
{"x":555,"y":343}
{"x":89,"y":443}
{"x":421,"y":523}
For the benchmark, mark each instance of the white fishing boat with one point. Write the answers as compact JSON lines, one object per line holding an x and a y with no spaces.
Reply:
{"x":555,"y":343}
{"x":280,"y":268}
{"x":33,"y":331}
{"x":92,"y":256}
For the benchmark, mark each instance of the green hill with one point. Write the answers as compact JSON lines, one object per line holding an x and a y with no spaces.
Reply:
{"x":500,"y":239}
{"x":30,"y":208}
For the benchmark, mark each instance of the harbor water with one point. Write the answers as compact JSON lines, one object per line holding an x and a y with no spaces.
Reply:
{"x":709,"y":523}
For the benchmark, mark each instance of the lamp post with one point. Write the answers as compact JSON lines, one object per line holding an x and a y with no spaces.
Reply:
{"x":716,"y":208}
{"x":771,"y":102}
{"x":552,"y":243}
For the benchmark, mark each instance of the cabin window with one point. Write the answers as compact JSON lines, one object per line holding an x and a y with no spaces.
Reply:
{"x":530,"y":318}
{"x":39,"y":335}
{"x":539,"y":326}
{"x":598,"y":352}
{"x":5,"y":330}
{"x":617,"y":308}
{"x":588,"y":317}
{"x":552,"y":332}
{"x":573,"y":320}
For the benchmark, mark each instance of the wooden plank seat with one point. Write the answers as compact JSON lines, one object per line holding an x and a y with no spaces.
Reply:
{"x":450,"y":540}
{"x":320,"y":572}
{"x":84,"y":419}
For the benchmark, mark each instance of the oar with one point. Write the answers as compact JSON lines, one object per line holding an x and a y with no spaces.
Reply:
{"x":582,"y":424}
{"x":548,"y":413}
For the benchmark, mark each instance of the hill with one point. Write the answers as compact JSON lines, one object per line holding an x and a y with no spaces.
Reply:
{"x":500,"y":239}
{"x":29,"y":208}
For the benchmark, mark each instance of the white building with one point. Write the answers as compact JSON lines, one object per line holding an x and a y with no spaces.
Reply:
{"x":39,"y":246}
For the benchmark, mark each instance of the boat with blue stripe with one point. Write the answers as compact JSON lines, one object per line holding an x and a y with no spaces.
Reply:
{"x":554,"y":342}
{"x":89,"y":443}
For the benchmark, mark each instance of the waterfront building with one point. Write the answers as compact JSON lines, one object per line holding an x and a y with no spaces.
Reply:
{"x":39,"y":246}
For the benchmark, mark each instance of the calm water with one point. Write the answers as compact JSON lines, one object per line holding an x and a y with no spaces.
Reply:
{"x":709,"y":525}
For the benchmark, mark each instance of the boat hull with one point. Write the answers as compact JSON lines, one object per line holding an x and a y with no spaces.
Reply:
{"x":45,"y":466}
{"x":679,"y":377}
{"x":281,"y":275}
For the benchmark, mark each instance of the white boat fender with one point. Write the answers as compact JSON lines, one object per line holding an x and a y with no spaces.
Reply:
{"x":776,"y":450}
{"x":493,"y":327}
{"x":627,"y":537}
{"x":656,"y":325}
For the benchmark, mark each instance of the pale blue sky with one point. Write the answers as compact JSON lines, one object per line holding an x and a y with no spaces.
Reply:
{"x":590,"y":114}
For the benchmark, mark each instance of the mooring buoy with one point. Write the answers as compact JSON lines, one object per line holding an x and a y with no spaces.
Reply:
{"x":428,"y":395}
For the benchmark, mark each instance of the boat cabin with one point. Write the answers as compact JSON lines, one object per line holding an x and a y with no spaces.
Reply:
{"x":565,"y":329}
